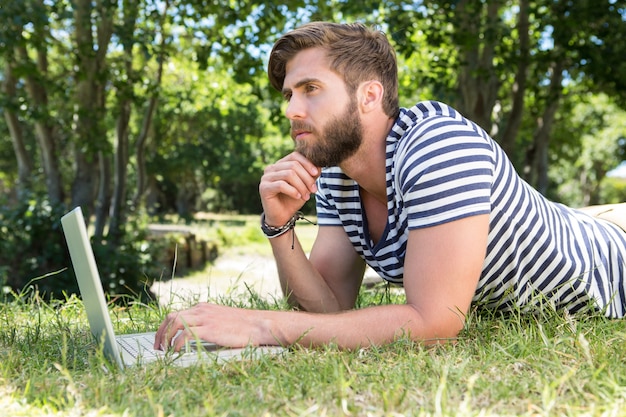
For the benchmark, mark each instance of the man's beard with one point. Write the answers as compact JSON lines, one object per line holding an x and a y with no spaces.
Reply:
{"x":338,"y":140}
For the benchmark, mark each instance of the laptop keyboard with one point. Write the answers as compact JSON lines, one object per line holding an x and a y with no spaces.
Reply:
{"x":139,"y":345}
{"x":142,"y":345}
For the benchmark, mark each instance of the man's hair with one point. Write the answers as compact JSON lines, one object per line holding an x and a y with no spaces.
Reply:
{"x":355,"y":52}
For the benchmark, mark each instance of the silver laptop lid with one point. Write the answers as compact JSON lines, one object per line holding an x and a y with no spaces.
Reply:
{"x":89,"y":282}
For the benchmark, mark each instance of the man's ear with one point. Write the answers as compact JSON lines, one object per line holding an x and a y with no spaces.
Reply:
{"x":370,"y":95}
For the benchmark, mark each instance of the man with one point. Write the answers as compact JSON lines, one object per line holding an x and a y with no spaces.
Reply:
{"x":422,"y":195}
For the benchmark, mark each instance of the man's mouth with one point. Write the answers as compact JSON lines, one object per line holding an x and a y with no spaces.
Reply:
{"x":299,"y":134}
{"x":300,"y":129}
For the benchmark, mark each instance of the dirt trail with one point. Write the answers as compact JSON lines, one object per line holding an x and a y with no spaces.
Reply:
{"x":231,"y":275}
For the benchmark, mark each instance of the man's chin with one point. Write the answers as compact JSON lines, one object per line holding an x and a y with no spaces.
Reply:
{"x":305,"y":151}
{"x":317,"y":158}
{"x":316,"y":161}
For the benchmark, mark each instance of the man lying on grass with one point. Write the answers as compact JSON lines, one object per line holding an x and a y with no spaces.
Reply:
{"x":422,"y":195}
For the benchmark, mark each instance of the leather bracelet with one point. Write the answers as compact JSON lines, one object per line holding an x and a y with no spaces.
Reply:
{"x":273,"y":231}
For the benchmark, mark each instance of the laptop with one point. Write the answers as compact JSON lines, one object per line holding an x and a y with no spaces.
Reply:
{"x":130,"y":349}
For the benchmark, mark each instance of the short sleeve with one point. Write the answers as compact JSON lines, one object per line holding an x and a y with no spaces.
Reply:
{"x":444,"y":172}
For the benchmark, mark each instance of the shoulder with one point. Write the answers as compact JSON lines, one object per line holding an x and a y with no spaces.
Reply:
{"x":334,"y":184}
{"x":437,"y":121}
{"x":437,"y":134}
{"x":336,"y":192}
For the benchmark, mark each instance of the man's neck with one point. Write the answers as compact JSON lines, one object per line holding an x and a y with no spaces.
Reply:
{"x":368,"y":166}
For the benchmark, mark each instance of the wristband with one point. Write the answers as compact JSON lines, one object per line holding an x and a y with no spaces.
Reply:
{"x":272,"y":232}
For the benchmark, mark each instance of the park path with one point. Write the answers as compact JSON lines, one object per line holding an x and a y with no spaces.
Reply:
{"x":232,"y":275}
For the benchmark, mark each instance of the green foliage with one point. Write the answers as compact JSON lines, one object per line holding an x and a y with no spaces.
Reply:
{"x":250,"y":233}
{"x":32,"y":249}
{"x":217,"y":123}
{"x":8,"y":164}
{"x":585,"y":146}
{"x":33,"y":253}
{"x":210,"y":151}
{"x":613,"y":190}
{"x":124,"y":267}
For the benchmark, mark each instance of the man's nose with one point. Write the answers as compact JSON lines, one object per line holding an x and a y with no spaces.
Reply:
{"x":295,"y":108}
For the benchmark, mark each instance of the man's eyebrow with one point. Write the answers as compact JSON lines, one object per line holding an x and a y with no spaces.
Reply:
{"x":299,"y":84}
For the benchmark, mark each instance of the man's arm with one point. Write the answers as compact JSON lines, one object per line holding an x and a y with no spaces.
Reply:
{"x":442,"y":268}
{"x":329,"y":280}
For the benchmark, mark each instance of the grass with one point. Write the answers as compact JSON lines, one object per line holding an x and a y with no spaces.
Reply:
{"x":547,"y":364}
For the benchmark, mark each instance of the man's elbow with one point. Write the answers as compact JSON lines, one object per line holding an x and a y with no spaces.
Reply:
{"x":438,"y":328}
{"x":317,"y":306}
{"x":443,"y":336}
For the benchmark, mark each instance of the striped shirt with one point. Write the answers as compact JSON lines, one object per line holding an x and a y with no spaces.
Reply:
{"x":441,"y":167}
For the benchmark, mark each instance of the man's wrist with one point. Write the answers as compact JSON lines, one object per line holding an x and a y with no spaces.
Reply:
{"x":275,"y":231}
{"x":272,"y":232}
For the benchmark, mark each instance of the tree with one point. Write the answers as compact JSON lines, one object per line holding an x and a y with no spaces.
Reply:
{"x":86,"y":77}
{"x":25,"y":58}
{"x":117,"y":52}
{"x":11,"y":109}
{"x":503,"y":60}
{"x":79,"y":71}
{"x":578,"y":168}
{"x":91,"y":79}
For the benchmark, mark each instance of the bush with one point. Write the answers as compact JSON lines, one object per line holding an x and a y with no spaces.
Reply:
{"x":33,"y":252}
{"x":123,"y":266}
{"x":613,"y":190}
{"x":32,"y":249}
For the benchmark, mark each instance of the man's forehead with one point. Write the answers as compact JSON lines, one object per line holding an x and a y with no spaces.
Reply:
{"x":308,"y":64}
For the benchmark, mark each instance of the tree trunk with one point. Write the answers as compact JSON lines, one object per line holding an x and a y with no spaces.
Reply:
{"x":119,"y":172}
{"x":140,"y":145}
{"x":24,"y":161}
{"x":140,"y":150}
{"x":477,"y":37}
{"x":125,"y":100}
{"x":594,"y":192}
{"x":104,"y":194}
{"x":541,"y":138}
{"x":44,"y":131}
{"x":514,"y":119}
{"x":90,"y":133}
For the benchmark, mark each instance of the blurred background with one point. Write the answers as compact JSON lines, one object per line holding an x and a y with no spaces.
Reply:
{"x":159,"y":111}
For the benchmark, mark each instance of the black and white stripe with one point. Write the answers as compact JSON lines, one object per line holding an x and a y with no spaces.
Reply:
{"x":442,"y":167}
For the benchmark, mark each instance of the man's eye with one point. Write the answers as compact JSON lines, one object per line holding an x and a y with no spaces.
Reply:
{"x":310,"y":88}
{"x":287,"y":96}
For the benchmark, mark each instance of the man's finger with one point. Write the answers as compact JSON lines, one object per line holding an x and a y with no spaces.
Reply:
{"x":170,"y":326}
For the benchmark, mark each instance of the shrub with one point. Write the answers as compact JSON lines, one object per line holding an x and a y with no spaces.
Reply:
{"x":613,"y":190}
{"x":33,"y":252}
{"x":123,"y":266}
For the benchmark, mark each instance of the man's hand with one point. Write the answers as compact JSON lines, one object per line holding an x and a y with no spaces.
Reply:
{"x":286,"y":186}
{"x":225,"y":326}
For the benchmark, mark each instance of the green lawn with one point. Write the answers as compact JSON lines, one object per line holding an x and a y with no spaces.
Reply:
{"x":533,"y":365}
{"x":514,"y":365}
